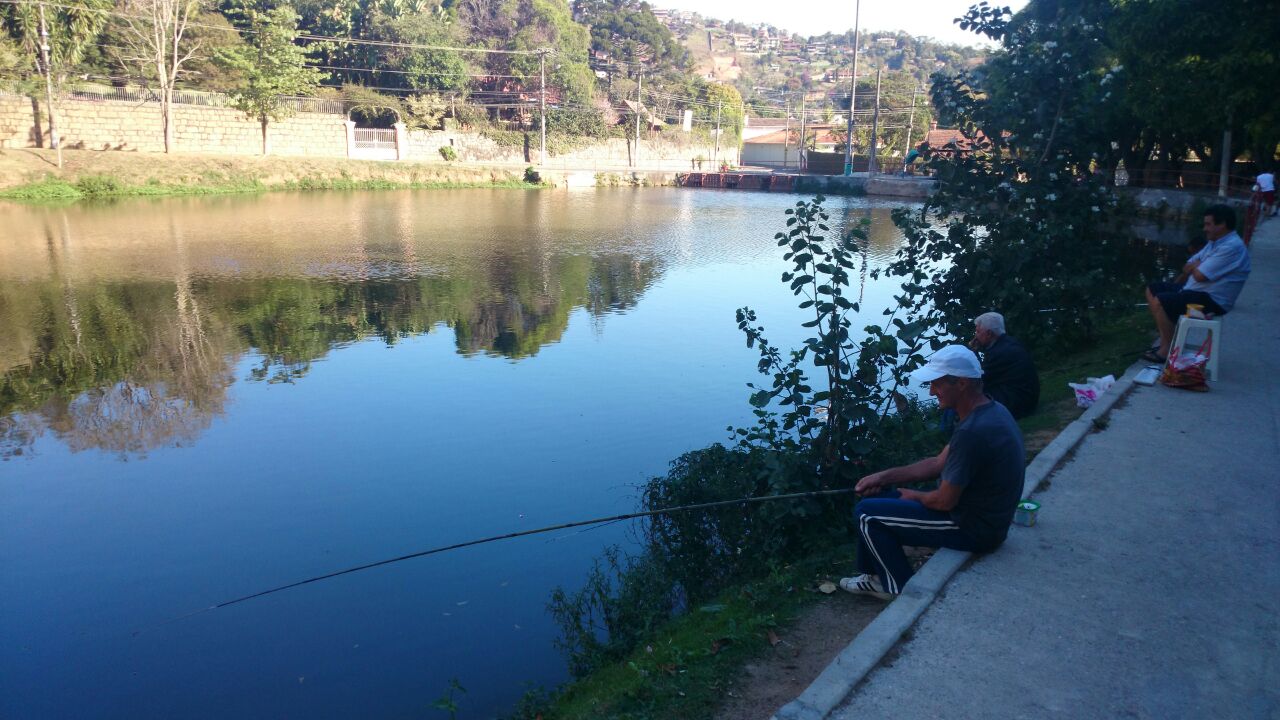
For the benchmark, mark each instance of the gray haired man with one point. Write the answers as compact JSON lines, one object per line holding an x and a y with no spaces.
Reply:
{"x":1008,"y":372}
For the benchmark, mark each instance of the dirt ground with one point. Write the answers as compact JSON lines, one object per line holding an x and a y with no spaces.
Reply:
{"x":803,"y":651}
{"x":24,"y":165}
{"x":801,"y":654}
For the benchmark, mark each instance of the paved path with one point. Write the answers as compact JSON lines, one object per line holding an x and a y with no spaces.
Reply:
{"x":1150,"y":588}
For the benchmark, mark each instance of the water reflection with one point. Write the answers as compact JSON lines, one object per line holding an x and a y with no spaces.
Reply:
{"x":548,"y":351}
{"x":120,"y":325}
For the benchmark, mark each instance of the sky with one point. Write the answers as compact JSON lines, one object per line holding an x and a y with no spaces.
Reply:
{"x":814,"y":17}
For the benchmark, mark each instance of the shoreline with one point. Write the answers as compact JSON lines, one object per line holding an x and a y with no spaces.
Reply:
{"x":31,"y":176}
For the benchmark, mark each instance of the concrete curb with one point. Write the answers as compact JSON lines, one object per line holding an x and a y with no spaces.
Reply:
{"x":856,"y":661}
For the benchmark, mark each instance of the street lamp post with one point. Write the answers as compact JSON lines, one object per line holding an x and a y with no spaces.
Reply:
{"x":853,"y":90}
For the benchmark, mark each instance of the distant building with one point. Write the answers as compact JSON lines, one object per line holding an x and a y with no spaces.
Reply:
{"x":949,"y":140}
{"x":781,"y":147}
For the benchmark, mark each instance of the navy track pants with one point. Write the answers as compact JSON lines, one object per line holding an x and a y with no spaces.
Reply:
{"x":886,"y":523}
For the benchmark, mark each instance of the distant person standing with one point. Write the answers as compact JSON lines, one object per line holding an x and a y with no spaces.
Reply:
{"x":1008,"y":372}
{"x":1266,"y":184}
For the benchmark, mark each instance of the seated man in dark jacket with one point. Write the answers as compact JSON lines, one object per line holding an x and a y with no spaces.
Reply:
{"x":1008,"y":374}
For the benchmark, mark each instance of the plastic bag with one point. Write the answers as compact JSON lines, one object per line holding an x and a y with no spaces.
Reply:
{"x":1187,"y":371}
{"x":1089,"y":391}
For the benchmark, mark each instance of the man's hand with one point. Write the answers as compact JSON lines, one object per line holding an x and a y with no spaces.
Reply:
{"x":871,"y":484}
{"x":909,"y":494}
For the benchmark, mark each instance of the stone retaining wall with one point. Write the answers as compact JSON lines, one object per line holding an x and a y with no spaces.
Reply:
{"x":135,"y":126}
{"x":124,"y":125}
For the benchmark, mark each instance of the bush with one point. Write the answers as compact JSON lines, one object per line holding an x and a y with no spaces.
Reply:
{"x":447,"y":152}
{"x":532,"y":176}
{"x":99,"y":185}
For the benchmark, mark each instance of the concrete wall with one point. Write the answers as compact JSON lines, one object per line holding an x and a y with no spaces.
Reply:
{"x":124,"y":125}
{"x":770,"y":154}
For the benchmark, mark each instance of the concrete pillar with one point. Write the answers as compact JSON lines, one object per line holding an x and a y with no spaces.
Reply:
{"x":351,"y":138}
{"x":402,"y":141}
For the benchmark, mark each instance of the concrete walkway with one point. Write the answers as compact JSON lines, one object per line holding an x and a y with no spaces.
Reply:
{"x":1150,"y":588}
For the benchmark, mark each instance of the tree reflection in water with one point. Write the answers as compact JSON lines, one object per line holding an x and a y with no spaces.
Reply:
{"x":126,"y":367}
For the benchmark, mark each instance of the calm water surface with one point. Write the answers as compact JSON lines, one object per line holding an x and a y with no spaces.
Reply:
{"x":204,"y":398}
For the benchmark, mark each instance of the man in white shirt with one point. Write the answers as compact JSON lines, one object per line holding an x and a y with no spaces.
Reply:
{"x":1215,"y":276}
{"x":1267,"y":186}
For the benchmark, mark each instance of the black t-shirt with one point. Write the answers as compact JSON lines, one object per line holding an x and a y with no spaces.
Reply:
{"x":1009,"y":376}
{"x":986,"y":459}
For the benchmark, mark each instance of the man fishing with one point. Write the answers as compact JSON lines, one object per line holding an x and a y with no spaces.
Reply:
{"x":981,"y":474}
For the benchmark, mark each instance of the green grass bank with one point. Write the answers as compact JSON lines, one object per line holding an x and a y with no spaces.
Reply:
{"x":33,"y":176}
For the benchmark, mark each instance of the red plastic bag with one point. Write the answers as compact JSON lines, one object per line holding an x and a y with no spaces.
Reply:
{"x":1187,"y":372}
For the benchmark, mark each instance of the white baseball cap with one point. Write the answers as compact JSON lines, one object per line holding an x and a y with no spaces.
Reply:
{"x":954,"y":360}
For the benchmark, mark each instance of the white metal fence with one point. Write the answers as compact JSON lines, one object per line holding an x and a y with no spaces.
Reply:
{"x":374,"y":144}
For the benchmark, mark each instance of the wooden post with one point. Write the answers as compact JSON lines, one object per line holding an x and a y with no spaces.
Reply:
{"x":542,"y":68}
{"x":639,"y":106}
{"x":872,"y":164}
{"x":911,"y":123}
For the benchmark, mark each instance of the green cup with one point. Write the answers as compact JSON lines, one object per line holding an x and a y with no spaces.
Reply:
{"x":1025,"y":514}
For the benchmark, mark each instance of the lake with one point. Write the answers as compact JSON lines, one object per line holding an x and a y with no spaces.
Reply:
{"x":204,"y":398}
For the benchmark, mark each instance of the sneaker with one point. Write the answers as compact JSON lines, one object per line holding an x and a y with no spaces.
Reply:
{"x":865,"y":585}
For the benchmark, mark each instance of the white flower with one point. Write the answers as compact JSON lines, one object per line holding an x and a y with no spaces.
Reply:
{"x":1096,"y":209}
{"x":1051,"y":197}
{"x":1050,"y":45}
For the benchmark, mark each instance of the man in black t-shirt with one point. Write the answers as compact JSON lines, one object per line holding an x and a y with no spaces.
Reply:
{"x":1008,"y":374}
{"x":981,"y":473}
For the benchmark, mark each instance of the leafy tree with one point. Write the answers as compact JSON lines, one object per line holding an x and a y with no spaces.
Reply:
{"x":1193,"y":69}
{"x":630,"y":32}
{"x":1021,"y":223}
{"x":273,"y":66}
{"x":429,"y":70}
{"x":549,"y":24}
{"x":73,"y":28}
{"x":12,"y":65}
{"x":426,"y":111}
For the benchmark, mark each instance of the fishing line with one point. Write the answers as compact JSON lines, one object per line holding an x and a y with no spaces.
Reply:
{"x":506,"y":536}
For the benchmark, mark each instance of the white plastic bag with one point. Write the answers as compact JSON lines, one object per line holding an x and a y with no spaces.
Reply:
{"x":1089,"y":391}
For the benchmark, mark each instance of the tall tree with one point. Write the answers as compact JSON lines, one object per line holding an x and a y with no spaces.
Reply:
{"x":272,"y":65}
{"x":157,"y":42}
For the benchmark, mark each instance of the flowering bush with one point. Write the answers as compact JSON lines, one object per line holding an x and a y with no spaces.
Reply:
{"x":1024,"y":222}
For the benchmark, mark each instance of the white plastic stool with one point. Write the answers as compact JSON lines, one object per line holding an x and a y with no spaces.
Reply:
{"x":1214,"y":328}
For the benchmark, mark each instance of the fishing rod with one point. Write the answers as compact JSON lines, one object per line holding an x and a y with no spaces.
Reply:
{"x":509,"y":536}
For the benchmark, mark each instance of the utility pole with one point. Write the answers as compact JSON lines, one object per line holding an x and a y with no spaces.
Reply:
{"x":786,"y":134}
{"x":48,"y":85}
{"x":715,"y":157}
{"x":911,"y":123}
{"x":542,"y":68}
{"x":801,"y":163}
{"x":875,"y":127}
{"x":853,"y":91}
{"x":1224,"y":170}
{"x":639,"y":105}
